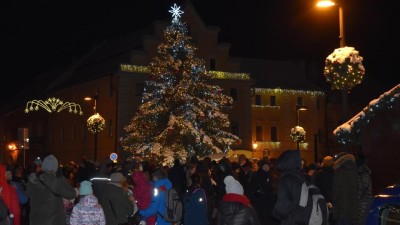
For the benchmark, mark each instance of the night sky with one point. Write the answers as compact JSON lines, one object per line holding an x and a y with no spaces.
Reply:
{"x":37,"y":36}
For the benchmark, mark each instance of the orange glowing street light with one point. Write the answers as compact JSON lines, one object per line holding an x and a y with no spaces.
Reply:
{"x":329,"y":3}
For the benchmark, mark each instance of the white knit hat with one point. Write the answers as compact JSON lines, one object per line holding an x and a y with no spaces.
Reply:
{"x":233,"y":186}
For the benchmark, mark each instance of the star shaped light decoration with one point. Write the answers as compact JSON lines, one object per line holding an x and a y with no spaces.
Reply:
{"x":176,"y":11}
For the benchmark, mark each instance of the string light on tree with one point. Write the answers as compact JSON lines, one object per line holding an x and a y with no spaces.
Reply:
{"x":180,"y":113}
{"x":344,"y":68}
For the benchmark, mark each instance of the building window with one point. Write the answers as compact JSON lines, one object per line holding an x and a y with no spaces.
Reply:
{"x":212,"y":64}
{"x":51,"y":136}
{"x":73,"y":132}
{"x":110,"y":128}
{"x":300,"y":101}
{"x":258,"y":133}
{"x":62,"y":134}
{"x":233,"y":94}
{"x":320,"y":133}
{"x":139,"y":89}
{"x":235,"y":128}
{"x":83,"y":129}
{"x":318,"y":104}
{"x":272,"y":100}
{"x":274,"y":134}
{"x":258,"y":99}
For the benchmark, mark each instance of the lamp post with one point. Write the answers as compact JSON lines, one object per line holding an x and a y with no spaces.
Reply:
{"x":330,"y":3}
{"x":95,"y":98}
{"x":298,"y":109}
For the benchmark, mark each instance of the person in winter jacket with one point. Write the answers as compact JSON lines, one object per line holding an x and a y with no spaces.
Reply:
{"x":235,"y":208}
{"x":10,"y":197}
{"x":364,"y":188}
{"x":195,"y":203}
{"x":287,"y":208}
{"x":88,"y":211}
{"x":157,"y":205}
{"x":117,"y":204}
{"x":143,"y":192}
{"x":345,"y":189}
{"x":46,"y":191}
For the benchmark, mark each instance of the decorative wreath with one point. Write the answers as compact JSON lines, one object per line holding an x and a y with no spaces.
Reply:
{"x":96,"y":123}
{"x":344,"y":68}
{"x":298,"y":134}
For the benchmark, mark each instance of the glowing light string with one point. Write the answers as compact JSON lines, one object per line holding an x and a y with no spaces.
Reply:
{"x":53,"y":105}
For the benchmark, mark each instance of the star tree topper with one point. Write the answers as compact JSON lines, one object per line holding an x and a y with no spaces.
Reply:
{"x":176,"y":11}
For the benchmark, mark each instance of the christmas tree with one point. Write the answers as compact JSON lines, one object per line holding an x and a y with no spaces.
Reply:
{"x":180,"y":115}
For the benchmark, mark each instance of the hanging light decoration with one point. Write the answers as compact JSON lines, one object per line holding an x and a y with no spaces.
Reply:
{"x":53,"y":105}
{"x":96,"y":123}
{"x":298,"y":134}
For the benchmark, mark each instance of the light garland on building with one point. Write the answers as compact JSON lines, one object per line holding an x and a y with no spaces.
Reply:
{"x":298,"y":134}
{"x":266,"y":106}
{"x":215,"y":74}
{"x":96,"y":123}
{"x":270,"y":91}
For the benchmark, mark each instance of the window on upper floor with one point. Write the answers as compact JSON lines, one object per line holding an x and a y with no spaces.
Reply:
{"x":62,"y":134}
{"x":318,"y":104}
{"x":274,"y":134}
{"x":259,"y":133}
{"x":235,"y":128}
{"x":139,"y":89}
{"x":300,"y":101}
{"x":258,"y":100}
{"x":233,"y":94}
{"x":213,"y":64}
{"x":272,"y":100}
{"x":110,"y":128}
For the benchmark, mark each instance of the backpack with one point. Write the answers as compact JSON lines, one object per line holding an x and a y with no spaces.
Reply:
{"x":173,"y":205}
{"x":315,"y":205}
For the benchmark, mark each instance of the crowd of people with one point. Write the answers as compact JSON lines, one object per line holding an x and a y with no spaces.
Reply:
{"x":235,"y":192}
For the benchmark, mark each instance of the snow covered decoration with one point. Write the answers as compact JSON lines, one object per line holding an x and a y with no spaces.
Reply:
{"x":298,"y":134}
{"x":180,"y":113}
{"x":350,"y":131}
{"x":344,"y":68}
{"x":96,"y":123}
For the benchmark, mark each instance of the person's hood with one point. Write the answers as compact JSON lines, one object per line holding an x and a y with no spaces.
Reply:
{"x":139,"y":178}
{"x":289,"y":160}
{"x":163,"y":182}
{"x":88,"y":200}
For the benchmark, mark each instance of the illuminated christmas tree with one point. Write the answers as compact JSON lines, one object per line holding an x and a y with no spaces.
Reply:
{"x":180,"y":115}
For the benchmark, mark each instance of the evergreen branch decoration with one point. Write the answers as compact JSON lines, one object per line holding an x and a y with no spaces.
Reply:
{"x":351,"y":130}
{"x":53,"y":105}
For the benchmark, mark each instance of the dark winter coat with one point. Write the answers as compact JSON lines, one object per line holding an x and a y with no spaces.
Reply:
{"x":324,"y":181}
{"x":195,"y":205}
{"x":365,"y":193}
{"x":287,"y":208}
{"x":236,"y":210}
{"x":116,"y":205}
{"x":262,"y":196}
{"x":46,"y":192}
{"x":345,"y":188}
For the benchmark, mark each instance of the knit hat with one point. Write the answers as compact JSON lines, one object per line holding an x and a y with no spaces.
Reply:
{"x":328,"y":161}
{"x":116,"y":178}
{"x":86,"y":188}
{"x":233,"y":186}
{"x":50,"y":164}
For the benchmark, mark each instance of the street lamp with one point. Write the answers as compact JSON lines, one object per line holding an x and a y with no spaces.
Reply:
{"x":298,"y":109}
{"x":94,"y":117}
{"x":330,"y":3}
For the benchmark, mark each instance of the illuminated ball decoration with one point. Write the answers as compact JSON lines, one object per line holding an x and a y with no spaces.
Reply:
{"x":298,"y":134}
{"x":344,"y":68}
{"x":96,"y":123}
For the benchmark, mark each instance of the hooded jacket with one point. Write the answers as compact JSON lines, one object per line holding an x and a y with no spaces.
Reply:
{"x":46,"y":192}
{"x":88,"y":211}
{"x":143,"y":192}
{"x":10,"y":196}
{"x":287,"y":208}
{"x":235,"y":209}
